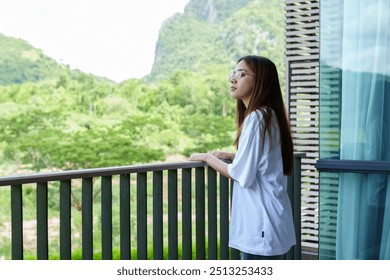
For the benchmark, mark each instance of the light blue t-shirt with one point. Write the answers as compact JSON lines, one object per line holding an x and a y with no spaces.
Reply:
{"x":261,"y":219}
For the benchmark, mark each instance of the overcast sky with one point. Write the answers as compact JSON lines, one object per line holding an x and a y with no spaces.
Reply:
{"x":111,"y":38}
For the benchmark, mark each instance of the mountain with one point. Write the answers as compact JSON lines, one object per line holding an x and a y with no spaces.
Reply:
{"x":218,"y":32}
{"x":20,"y":62}
{"x":207,"y":34}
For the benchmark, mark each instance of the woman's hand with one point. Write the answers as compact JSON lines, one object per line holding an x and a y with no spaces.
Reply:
{"x":212,"y":161}
{"x":198,"y":157}
{"x":223,"y":155}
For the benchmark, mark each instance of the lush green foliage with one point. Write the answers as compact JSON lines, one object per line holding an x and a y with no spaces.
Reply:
{"x":87,"y":123}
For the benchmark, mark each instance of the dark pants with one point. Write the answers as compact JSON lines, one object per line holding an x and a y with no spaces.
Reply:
{"x":246,"y":256}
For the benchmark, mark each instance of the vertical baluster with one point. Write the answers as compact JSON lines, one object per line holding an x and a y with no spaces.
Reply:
{"x":158,"y":215}
{"x":234,"y":253}
{"x":87,"y":218}
{"x":297,"y":207}
{"x":42,"y":221}
{"x":172,"y":215}
{"x":200,"y":213}
{"x":212,"y":214}
{"x":294,"y":193}
{"x":224,"y":217}
{"x":142,"y":241}
{"x":125,"y":236}
{"x":290,"y":191}
{"x":17,"y":222}
{"x":106,"y":204}
{"x":65,"y":219}
{"x":186,"y":214}
{"x":296,"y":202}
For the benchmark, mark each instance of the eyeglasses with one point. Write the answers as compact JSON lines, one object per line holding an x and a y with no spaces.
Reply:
{"x":238,"y":75}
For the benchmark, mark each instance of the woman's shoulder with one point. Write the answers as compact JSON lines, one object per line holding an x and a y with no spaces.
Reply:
{"x":256,"y":118}
{"x":257,"y":115}
{"x":253,"y":120}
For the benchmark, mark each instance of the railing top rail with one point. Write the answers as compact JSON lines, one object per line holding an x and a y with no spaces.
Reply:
{"x":97,"y":172}
{"x":353,"y":166}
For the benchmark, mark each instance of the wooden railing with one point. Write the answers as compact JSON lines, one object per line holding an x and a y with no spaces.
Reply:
{"x":170,"y":197}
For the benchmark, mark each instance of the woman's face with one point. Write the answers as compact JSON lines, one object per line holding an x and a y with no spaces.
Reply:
{"x":242,"y":82}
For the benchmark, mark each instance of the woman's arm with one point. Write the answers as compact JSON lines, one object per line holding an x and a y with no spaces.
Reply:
{"x":213,"y":161}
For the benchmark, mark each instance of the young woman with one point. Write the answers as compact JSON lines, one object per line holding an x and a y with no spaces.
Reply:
{"x":261,"y":219}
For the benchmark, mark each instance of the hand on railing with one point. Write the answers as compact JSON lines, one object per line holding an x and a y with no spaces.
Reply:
{"x":223,"y":155}
{"x":217,"y":164}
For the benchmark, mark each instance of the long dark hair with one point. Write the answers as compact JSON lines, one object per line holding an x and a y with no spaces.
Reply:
{"x":267,"y":94}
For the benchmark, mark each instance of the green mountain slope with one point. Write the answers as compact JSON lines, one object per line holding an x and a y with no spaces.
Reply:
{"x":218,"y":32}
{"x":20,"y":62}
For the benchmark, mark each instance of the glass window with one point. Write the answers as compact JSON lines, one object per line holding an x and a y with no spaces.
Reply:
{"x":355,"y":125}
{"x":354,"y":216}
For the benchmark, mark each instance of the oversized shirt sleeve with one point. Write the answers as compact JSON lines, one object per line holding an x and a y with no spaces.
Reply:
{"x":245,"y":165}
